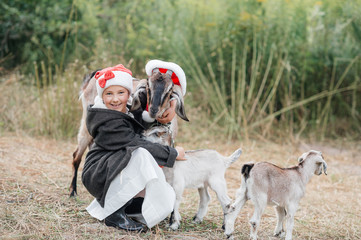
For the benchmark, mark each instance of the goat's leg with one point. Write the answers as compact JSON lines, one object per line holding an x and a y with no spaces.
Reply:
{"x":176,"y":217}
{"x":203,"y":204}
{"x":260,"y":204}
{"x":291,"y":210}
{"x":84,"y":140}
{"x":218,"y":184}
{"x":281,"y":213}
{"x":233,"y":210}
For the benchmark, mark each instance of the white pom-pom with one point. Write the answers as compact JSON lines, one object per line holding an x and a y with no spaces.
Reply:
{"x":146,"y":117}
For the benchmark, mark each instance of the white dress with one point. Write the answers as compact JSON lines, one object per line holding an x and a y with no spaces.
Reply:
{"x":141,"y":172}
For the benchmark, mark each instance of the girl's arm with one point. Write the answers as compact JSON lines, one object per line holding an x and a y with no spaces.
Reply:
{"x":119,"y":134}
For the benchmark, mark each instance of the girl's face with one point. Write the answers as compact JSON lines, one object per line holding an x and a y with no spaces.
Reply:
{"x":115,"y":98}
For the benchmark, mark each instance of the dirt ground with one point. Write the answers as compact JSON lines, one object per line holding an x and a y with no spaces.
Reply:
{"x":35,"y":174}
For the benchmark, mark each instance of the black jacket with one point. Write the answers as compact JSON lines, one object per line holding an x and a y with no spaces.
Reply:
{"x":116,"y":135}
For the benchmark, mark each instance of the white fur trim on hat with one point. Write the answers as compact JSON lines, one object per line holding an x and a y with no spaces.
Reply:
{"x":152,"y":64}
{"x":120,"y":79}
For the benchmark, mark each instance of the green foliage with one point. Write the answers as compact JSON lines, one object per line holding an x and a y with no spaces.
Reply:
{"x":262,"y":63}
{"x":54,"y":32}
{"x":136,"y":30}
{"x":252,"y":66}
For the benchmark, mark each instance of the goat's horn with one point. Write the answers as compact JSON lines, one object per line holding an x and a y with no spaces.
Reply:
{"x":169,"y":72}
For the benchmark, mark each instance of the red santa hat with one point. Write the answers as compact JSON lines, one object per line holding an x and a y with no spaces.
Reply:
{"x":178,"y":76}
{"x":117,"y":75}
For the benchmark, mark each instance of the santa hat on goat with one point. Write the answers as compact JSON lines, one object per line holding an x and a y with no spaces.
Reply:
{"x":117,"y":75}
{"x":178,"y":75}
{"x":178,"y":78}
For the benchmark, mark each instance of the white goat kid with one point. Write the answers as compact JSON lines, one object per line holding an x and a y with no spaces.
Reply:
{"x":264,"y":183}
{"x":202,"y":169}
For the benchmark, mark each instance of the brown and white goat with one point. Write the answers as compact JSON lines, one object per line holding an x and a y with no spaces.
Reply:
{"x":155,"y":94}
{"x":156,"y":91}
{"x":266,"y":184}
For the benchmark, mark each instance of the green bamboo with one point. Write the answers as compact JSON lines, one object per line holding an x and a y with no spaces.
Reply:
{"x":261,"y":88}
{"x":242,"y":80}
{"x":304,"y":102}
{"x":233,"y":80}
{"x":280,"y":69}
{"x":253,"y":68}
{"x":325,"y":113}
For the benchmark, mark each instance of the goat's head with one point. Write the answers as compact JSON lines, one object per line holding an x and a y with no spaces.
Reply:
{"x":159,"y":134}
{"x":314,"y":157}
{"x":158,"y":90}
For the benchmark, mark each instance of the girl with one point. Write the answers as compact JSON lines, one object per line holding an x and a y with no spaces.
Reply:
{"x":120,"y":164}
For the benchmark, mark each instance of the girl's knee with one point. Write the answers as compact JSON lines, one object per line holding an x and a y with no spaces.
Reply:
{"x":141,"y":157}
{"x":142,"y":152}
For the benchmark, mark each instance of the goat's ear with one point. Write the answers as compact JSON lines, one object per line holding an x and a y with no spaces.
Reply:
{"x":179,"y":109}
{"x":140,"y":95}
{"x":303,"y":156}
{"x":324,"y":164}
{"x":324,"y":167}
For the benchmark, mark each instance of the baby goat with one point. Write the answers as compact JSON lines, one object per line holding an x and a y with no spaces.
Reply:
{"x":265,"y":183}
{"x":202,"y":169}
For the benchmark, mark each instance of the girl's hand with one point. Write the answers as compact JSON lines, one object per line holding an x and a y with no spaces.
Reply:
{"x":168,"y":114}
{"x":181,"y":154}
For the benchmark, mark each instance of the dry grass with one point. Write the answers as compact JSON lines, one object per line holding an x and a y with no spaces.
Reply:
{"x":36,"y":173}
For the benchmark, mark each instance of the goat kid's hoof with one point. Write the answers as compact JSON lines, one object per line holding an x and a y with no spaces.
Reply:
{"x":252,"y":237}
{"x":174,"y":226}
{"x":280,"y":234}
{"x":197,"y":220}
{"x":230,"y":236}
{"x":72,"y":195}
